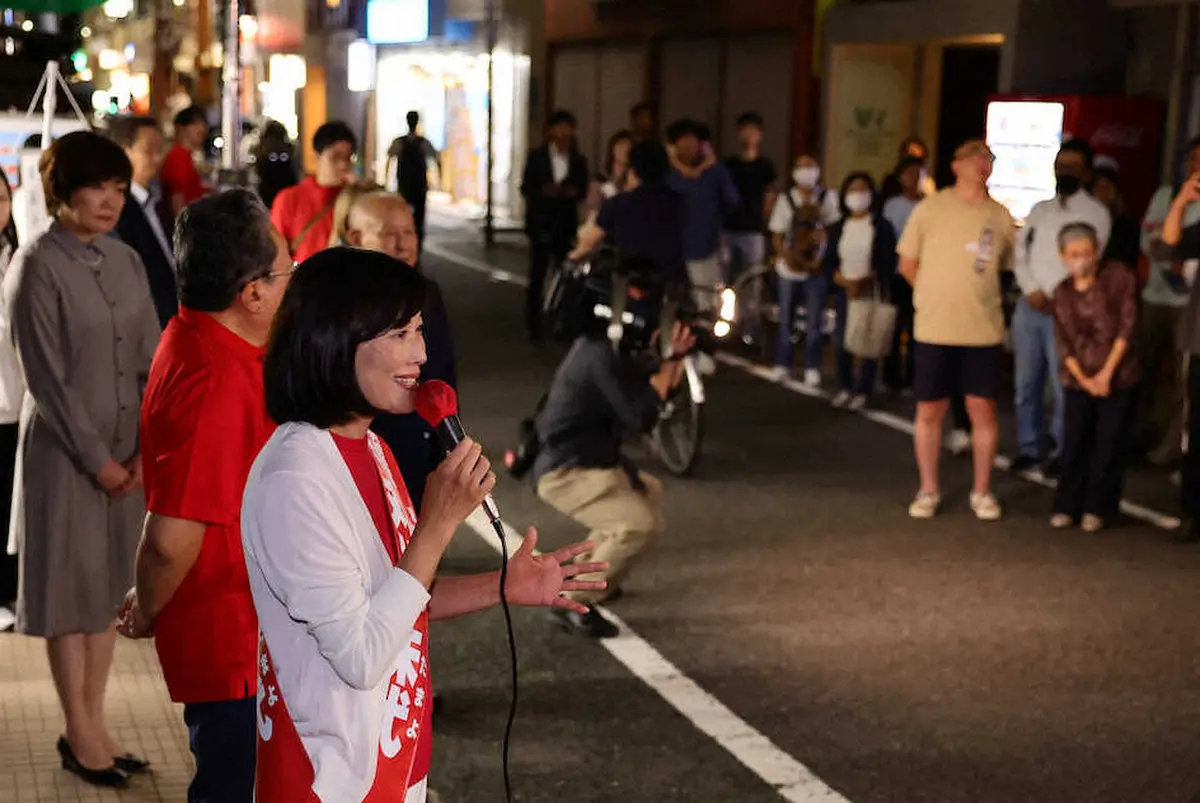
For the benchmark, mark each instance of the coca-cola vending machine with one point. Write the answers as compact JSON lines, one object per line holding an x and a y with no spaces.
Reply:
{"x":1026,"y":131}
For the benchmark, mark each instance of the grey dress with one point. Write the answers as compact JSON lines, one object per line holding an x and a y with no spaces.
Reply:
{"x":85,"y":330}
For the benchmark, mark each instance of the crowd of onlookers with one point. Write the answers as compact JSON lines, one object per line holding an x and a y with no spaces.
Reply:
{"x":1098,"y":378}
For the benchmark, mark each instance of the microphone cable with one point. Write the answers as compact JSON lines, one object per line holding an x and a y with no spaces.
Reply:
{"x":512,"y":651}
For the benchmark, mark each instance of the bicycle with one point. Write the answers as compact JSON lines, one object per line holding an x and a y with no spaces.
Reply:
{"x":758,"y":314}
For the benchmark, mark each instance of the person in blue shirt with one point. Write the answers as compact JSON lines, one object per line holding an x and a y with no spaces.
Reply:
{"x":709,"y":196}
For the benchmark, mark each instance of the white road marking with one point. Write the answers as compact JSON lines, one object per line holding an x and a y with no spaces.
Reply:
{"x":792,"y":780}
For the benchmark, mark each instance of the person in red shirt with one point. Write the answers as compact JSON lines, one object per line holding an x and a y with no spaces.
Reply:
{"x":179,"y":177}
{"x":304,"y":213}
{"x":204,"y":420}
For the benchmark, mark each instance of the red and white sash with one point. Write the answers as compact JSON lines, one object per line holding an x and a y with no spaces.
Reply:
{"x":285,"y":772}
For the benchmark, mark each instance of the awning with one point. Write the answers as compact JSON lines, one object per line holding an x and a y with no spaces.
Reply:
{"x":52,"y":6}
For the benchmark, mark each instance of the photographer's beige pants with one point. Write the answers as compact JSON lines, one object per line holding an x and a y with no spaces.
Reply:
{"x":620,"y":517}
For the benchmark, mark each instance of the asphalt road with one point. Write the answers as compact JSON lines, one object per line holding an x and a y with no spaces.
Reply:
{"x":946,"y":661}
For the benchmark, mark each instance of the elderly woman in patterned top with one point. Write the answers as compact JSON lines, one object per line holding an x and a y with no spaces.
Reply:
{"x":1095,"y":312}
{"x":85,"y":330}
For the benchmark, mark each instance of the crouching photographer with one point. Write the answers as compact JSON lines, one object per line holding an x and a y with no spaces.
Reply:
{"x":610,"y":385}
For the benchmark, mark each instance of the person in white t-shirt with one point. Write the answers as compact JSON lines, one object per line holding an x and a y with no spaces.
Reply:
{"x":859,"y":261}
{"x":798,"y":223}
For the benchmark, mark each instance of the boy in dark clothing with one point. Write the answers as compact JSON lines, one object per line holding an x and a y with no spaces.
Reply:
{"x":754,"y":176}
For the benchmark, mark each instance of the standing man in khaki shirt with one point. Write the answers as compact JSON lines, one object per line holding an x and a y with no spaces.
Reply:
{"x":951,"y":253}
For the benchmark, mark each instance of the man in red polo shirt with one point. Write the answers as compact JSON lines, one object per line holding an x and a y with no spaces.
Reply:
{"x":179,"y":177}
{"x":304,"y":213}
{"x":204,"y":421}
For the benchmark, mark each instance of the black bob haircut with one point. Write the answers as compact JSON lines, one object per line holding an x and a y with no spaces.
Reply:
{"x":222,"y":243}
{"x":338,"y":299}
{"x":77,"y":160}
{"x":330,"y":134}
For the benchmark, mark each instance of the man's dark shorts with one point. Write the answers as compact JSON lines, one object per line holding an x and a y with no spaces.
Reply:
{"x":942,"y":372}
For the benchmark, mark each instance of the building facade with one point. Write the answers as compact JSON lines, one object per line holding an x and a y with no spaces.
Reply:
{"x":927,"y":67}
{"x":709,"y":60}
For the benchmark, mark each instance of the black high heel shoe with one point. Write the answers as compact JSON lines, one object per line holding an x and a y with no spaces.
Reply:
{"x":131,"y":764}
{"x":110,"y":777}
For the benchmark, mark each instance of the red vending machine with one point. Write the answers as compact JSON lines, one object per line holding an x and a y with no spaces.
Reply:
{"x":1025,"y":132}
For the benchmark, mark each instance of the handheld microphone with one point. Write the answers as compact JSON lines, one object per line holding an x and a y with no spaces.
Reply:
{"x":437,"y":403}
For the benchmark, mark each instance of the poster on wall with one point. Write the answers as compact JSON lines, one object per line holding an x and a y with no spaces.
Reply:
{"x":870,"y":109}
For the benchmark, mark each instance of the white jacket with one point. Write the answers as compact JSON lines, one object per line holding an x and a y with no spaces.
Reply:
{"x":333,"y":610}
{"x":12,"y":381}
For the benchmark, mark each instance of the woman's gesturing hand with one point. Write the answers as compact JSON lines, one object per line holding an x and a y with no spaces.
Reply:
{"x":539,"y":580}
{"x":458,"y":485}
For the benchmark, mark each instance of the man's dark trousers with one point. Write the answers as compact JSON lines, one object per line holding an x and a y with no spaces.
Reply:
{"x":545,"y":247}
{"x":223,"y":737}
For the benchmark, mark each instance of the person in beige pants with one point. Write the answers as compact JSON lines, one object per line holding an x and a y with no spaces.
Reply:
{"x":621,"y":515}
{"x":598,"y":395}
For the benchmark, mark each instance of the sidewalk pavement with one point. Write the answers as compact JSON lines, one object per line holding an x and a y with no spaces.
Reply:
{"x":140,"y":715}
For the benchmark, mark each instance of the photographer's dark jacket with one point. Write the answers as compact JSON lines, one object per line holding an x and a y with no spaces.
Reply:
{"x":597,"y":397}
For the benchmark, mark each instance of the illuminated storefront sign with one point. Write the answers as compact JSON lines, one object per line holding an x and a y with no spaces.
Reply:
{"x":397,"y":22}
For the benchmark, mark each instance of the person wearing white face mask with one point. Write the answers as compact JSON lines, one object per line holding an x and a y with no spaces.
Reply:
{"x":1095,"y":314}
{"x":798,"y":223}
{"x":860,"y":259}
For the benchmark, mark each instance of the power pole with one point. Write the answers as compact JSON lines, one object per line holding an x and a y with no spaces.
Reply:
{"x":231,"y":125}
{"x":489,"y":220}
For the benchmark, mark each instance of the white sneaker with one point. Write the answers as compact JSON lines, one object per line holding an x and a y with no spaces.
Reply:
{"x":778,"y":373}
{"x":859,"y":402}
{"x":986,"y":507}
{"x":1060,"y":521}
{"x":8,"y":619}
{"x":958,"y":442}
{"x":841,"y":399}
{"x":925,"y":506}
{"x":812,"y":378}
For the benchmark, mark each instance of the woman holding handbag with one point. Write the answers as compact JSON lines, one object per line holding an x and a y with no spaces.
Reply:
{"x":859,"y":262}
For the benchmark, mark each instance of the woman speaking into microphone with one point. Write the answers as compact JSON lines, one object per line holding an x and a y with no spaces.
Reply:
{"x":341,"y":569}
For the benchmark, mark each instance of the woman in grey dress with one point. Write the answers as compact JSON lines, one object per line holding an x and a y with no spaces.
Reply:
{"x":85,"y":330}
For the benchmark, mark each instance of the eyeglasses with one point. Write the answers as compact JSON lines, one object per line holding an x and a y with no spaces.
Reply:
{"x":287,"y":272}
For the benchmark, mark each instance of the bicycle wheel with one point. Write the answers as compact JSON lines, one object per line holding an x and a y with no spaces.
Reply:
{"x":757,"y":309}
{"x":677,"y":436}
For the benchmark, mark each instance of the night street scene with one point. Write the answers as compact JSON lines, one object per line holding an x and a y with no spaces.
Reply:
{"x":599,"y":401}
